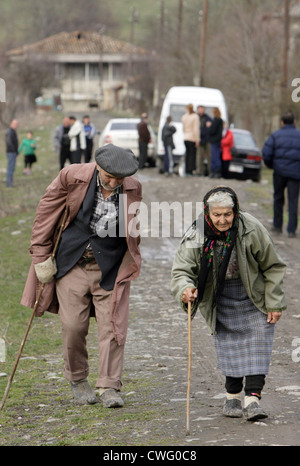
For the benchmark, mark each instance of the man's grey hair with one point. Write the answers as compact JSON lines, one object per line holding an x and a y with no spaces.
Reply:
{"x":220,"y":199}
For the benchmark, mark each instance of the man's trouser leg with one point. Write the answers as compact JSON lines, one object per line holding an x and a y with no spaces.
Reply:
{"x":201,"y":153}
{"x":279,"y":184}
{"x":143,"y":154}
{"x":75,"y":291}
{"x":293,"y":197}
{"x":75,"y":156}
{"x":11,"y":164}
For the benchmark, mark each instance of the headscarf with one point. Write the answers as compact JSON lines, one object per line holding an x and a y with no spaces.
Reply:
{"x":212,"y":234}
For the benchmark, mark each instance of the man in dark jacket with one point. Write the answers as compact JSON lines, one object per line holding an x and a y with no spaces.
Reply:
{"x":167,"y":138}
{"x":281,"y":152}
{"x":215,"y":130}
{"x":12,"y":146}
{"x":144,"y":139}
{"x":203,"y":151}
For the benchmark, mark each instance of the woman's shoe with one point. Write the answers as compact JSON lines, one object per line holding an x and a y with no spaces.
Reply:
{"x":233,"y":408}
{"x":253,"y":412}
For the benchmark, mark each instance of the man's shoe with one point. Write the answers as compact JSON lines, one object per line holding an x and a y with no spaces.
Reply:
{"x":110,"y":398}
{"x":253,"y":412}
{"x":233,"y":408}
{"x":83,"y":392}
{"x":292,"y":235}
{"x":276,"y":230}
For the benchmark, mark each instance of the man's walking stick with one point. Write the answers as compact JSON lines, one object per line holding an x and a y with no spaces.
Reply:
{"x":189,"y":368}
{"x":31,"y":319}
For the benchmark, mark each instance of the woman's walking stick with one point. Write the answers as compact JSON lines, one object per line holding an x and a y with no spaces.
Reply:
{"x":189,"y":368}
{"x":30,"y":320}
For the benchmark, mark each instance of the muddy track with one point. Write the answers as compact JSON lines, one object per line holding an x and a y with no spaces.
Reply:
{"x":161,"y":328}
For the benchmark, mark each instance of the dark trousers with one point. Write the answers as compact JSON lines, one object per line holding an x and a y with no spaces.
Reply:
{"x":76,"y":156}
{"x":168,"y":160}
{"x":292,"y":185}
{"x":11,"y":165}
{"x":253,"y":384}
{"x":190,"y":157}
{"x":143,"y":150}
{"x":216,"y":164}
{"x":64,"y":156}
{"x":88,"y":151}
{"x":225,"y":169}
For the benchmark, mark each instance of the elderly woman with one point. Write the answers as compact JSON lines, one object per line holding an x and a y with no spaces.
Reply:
{"x":235,"y":276}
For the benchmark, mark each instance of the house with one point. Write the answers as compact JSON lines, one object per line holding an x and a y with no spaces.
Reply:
{"x":89,"y":69}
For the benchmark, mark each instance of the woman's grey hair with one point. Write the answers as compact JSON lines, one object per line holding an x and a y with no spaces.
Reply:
{"x":220,"y":199}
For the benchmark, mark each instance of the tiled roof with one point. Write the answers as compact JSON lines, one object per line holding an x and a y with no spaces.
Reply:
{"x":78,"y":42}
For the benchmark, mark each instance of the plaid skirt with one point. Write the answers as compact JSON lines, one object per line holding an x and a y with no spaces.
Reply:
{"x":244,"y":338}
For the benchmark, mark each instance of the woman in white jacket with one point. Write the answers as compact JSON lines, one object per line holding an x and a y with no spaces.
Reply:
{"x":77,"y":140}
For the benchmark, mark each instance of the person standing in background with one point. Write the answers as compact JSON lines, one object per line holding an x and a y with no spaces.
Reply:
{"x":191,"y":134}
{"x":62,"y":142}
{"x":203,"y":151}
{"x":77,"y":140}
{"x":144,"y":139}
{"x":28,"y":147}
{"x":12,"y":145}
{"x":226,"y":146}
{"x":167,"y":138}
{"x":215,"y":132}
{"x":89,"y":131}
{"x":281,"y":152}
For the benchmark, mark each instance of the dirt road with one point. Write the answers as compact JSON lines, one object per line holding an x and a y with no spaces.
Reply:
{"x":155,"y":367}
{"x":157,"y":339}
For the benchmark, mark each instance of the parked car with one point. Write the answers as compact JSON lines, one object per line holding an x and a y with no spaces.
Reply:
{"x":123,"y":132}
{"x":247,"y":158}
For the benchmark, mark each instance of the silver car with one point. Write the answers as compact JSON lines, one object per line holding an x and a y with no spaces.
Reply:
{"x":123,"y":132}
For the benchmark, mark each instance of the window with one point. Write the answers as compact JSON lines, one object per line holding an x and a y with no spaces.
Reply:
{"x":244,"y":140}
{"x":75,"y":70}
{"x":94,"y":71}
{"x":178,"y":110}
{"x":117,"y":71}
{"x":124,"y":126}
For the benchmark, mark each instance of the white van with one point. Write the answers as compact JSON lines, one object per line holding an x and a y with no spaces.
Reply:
{"x":175,"y":103}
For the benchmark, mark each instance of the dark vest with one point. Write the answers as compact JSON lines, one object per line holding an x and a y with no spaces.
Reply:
{"x":108,"y":251}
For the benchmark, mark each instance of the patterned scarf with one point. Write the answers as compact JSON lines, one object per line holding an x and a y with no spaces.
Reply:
{"x":212,"y":235}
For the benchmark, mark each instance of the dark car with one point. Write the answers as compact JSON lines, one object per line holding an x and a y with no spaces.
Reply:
{"x":246,"y":160}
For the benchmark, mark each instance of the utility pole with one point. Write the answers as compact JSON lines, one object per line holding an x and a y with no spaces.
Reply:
{"x":133,"y":19}
{"x":286,"y":42}
{"x":179,"y":29}
{"x":162,"y":25}
{"x":160,"y":45}
{"x":203,"y":42}
{"x":101,"y":90}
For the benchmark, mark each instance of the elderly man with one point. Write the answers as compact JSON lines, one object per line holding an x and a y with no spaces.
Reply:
{"x":97,"y":257}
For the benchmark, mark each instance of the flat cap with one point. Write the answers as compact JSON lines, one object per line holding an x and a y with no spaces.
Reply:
{"x":116,"y":161}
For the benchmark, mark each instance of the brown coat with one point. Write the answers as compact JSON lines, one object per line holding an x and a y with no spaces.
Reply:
{"x":68,"y":191}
